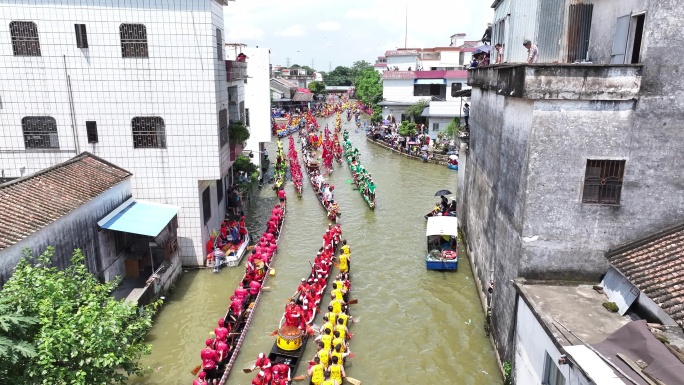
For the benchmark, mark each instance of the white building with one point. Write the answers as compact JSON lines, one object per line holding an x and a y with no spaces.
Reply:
{"x":257,"y":102}
{"x":441,"y":77}
{"x":140,"y":83}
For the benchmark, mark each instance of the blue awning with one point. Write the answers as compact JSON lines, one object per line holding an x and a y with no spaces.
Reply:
{"x":139,"y":217}
{"x":430,"y":81}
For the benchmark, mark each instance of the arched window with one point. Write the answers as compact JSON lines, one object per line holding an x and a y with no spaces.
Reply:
{"x":148,"y":132}
{"x":40,"y":132}
{"x":25,"y":40}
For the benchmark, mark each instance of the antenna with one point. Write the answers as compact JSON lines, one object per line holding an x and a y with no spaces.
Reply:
{"x":406,"y":33}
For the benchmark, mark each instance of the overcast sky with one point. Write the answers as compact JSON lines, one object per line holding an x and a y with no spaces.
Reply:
{"x":341,"y":32}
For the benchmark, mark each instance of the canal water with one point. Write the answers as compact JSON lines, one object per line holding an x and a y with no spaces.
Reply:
{"x":416,"y":326}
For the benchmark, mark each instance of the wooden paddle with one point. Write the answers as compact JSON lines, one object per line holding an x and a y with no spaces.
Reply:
{"x":272,"y":334}
{"x":299,"y":378}
{"x":248,"y":370}
{"x":352,"y":302}
{"x":353,"y":381}
{"x":196,"y":369}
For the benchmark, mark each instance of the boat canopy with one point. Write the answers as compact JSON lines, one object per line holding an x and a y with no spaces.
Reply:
{"x":442,"y":226}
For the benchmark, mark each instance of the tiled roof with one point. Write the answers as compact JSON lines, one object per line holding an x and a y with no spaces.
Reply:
{"x":30,"y":203}
{"x":302,"y":97}
{"x":655,"y":264}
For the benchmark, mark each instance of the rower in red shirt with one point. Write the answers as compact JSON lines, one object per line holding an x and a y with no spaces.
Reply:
{"x":254,"y":288}
{"x":222,"y":349}
{"x":200,"y":380}
{"x":210,"y":244}
{"x":235,"y":306}
{"x":209,"y":360}
{"x":281,"y":372}
{"x":292,"y":314}
{"x":259,"y":379}
{"x":221,"y":331}
{"x":303,"y":287}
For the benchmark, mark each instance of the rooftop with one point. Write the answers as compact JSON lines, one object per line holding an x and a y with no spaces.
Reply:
{"x":655,"y":265}
{"x":560,"y":81}
{"x":32,"y":202}
{"x":577,"y":307}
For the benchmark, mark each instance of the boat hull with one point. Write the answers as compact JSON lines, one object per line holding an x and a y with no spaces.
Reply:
{"x":452,"y":167}
{"x":235,"y":257}
{"x":451,"y":264}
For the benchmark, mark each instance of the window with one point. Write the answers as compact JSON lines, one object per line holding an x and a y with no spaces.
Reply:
{"x":81,"y":36}
{"x":206,"y":204}
{"x":247,"y":117}
{"x":435,"y":126}
{"x":637,"y":33}
{"x":40,"y":132}
{"x":219,"y":190}
{"x":455,"y":87}
{"x":223,"y":127}
{"x":25,"y":40}
{"x":552,"y":375}
{"x":219,"y":45}
{"x":133,"y":40}
{"x":148,"y":132}
{"x":603,"y":181}
{"x":91,"y":130}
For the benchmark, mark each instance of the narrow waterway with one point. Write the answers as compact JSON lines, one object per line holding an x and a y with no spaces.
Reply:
{"x":416,"y":326}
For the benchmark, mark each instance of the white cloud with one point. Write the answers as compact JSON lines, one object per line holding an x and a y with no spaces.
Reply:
{"x":329,"y":26}
{"x":241,"y":32}
{"x":293,"y":31}
{"x":364,"y":13}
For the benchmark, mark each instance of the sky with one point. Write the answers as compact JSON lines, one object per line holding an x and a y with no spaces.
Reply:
{"x":332,"y":33}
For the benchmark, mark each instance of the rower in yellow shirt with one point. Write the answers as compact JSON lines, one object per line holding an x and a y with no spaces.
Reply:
{"x":316,"y":372}
{"x":336,"y":305}
{"x":345,"y":262}
{"x":338,"y":291}
{"x":336,"y":369}
{"x":345,"y":247}
{"x":341,"y":329}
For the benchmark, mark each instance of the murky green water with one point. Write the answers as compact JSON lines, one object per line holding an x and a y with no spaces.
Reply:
{"x":417,"y":326}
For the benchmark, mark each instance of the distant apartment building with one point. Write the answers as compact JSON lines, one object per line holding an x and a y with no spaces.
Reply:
{"x":569,"y":157}
{"x":436,"y":75}
{"x":142,"y":84}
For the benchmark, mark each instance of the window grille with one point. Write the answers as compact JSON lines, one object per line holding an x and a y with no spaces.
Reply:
{"x":219,"y":190}
{"x":219,"y":45}
{"x":435,"y":126}
{"x":40,"y":132}
{"x":148,"y":132}
{"x":603,"y":181}
{"x":455,"y":87}
{"x":81,"y":36}
{"x":206,"y":204}
{"x":25,"y":40}
{"x":133,"y":40}
{"x":247,"y":117}
{"x":223,"y":127}
{"x":91,"y":130}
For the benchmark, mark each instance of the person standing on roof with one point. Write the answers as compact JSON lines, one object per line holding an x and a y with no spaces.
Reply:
{"x":532,"y":52}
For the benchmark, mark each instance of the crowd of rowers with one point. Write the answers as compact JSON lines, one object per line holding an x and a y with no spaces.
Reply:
{"x":323,"y":189}
{"x":218,"y":351}
{"x":326,"y":368}
{"x":362,"y":178}
{"x":232,"y":234}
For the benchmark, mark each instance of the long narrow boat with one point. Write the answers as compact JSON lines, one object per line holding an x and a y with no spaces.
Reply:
{"x":313,"y":172}
{"x":295,"y":167}
{"x":238,"y":326}
{"x":352,"y":160}
{"x":291,"y":342}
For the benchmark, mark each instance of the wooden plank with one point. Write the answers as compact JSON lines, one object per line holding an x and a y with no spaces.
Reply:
{"x":637,"y":369}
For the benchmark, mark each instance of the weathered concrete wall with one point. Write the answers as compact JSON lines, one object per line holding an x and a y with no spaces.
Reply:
{"x":78,"y":229}
{"x":603,"y":22}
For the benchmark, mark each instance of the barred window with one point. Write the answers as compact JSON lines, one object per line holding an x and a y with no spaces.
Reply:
{"x":148,"y":132}
{"x":219,"y":44}
{"x":40,"y":132}
{"x":223,"y":127}
{"x":25,"y":40}
{"x":91,"y":131}
{"x":206,"y":204}
{"x":603,"y":181}
{"x":133,"y":40}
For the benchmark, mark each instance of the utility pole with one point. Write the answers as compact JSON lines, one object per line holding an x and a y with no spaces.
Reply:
{"x":329,"y":66}
{"x":287,"y":62}
{"x":312,"y":64}
{"x":406,"y":34}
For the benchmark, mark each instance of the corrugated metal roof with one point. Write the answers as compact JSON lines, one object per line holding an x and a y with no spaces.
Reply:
{"x":30,"y":203}
{"x":302,"y":97}
{"x":655,"y":265}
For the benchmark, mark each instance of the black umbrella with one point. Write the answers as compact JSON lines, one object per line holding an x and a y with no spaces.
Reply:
{"x":442,"y":192}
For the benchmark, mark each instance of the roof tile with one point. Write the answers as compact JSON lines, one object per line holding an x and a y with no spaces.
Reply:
{"x":655,"y":264}
{"x":30,"y":203}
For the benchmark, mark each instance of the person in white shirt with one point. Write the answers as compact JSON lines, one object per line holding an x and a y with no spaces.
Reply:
{"x":532,"y":51}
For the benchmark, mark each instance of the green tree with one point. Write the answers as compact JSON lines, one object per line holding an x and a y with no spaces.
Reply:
{"x":340,"y":76}
{"x":316,"y":87}
{"x":358,"y":67}
{"x":84,"y":336}
{"x":13,"y":335}
{"x":238,"y":132}
{"x":415,"y":111}
{"x":407,"y":128}
{"x":453,"y":128}
{"x":369,"y":91}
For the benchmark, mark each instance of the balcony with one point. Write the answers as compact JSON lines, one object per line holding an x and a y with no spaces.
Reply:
{"x":441,"y":74}
{"x":560,"y":81}
{"x":236,"y":70}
